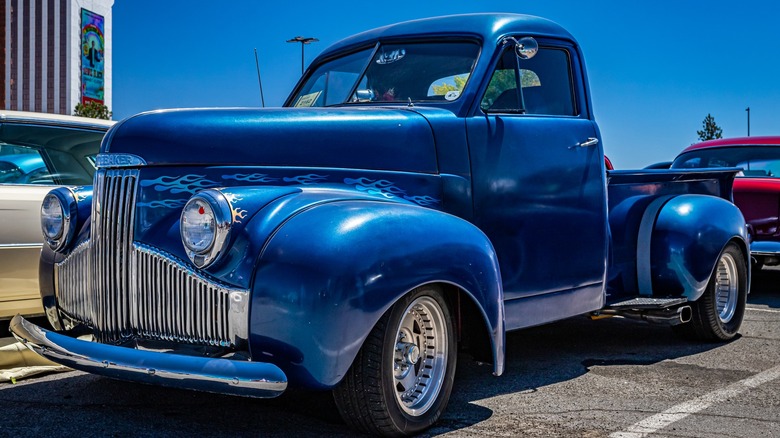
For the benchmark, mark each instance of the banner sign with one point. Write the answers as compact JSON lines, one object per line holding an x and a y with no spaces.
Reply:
{"x":92,"y":55}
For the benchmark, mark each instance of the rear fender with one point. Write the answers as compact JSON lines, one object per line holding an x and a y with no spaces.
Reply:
{"x":330,"y":272}
{"x":688,"y":234}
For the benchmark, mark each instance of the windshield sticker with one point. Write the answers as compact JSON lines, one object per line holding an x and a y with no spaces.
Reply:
{"x":391,"y":57}
{"x":308,"y":99}
{"x":452,"y":95}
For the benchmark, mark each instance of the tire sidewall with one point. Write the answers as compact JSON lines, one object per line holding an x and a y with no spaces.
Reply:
{"x":728,"y":330}
{"x":404,"y":422}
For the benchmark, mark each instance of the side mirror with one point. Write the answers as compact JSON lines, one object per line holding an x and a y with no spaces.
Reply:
{"x":525,"y":48}
{"x":363,"y":96}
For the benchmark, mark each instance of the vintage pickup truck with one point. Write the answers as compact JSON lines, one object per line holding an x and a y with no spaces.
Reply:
{"x":427,"y":187}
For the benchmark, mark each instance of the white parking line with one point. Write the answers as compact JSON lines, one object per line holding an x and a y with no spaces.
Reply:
{"x":676,"y":413}
{"x":756,"y":309}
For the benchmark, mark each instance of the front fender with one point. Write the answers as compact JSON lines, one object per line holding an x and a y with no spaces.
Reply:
{"x":689,"y":234}
{"x":330,"y":272}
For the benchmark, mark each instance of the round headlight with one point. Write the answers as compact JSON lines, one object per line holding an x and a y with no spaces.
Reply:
{"x":51,"y":217}
{"x":205,"y":223}
{"x":198,"y":226}
{"x":58,"y":213}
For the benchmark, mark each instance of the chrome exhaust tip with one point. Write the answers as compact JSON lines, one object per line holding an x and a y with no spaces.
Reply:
{"x":685,"y":313}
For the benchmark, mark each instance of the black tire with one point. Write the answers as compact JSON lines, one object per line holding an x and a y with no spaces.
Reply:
{"x":717,"y":315}
{"x":386,"y":391}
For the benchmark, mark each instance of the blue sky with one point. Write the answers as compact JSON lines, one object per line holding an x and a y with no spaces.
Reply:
{"x":656,"y":68}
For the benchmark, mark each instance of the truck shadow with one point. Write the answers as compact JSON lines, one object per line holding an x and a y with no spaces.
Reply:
{"x":559,"y":352}
{"x":536,"y":358}
{"x":565,"y":350}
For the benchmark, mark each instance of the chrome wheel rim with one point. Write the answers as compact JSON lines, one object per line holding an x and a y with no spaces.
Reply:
{"x":420,"y":356}
{"x":726,"y":287}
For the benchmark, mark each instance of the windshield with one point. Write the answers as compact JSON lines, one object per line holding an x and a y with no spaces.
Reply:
{"x":755,"y":161}
{"x":420,"y":72}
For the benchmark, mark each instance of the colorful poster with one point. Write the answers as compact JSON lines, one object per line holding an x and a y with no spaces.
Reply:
{"x":92,"y":56}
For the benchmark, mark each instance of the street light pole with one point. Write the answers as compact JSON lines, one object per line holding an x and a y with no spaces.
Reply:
{"x":748,"y":115}
{"x":303,"y":41}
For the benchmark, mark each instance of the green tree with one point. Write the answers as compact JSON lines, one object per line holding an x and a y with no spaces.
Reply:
{"x":457,"y":85}
{"x":710,"y":130}
{"x":93,"y":110}
{"x":503,"y":80}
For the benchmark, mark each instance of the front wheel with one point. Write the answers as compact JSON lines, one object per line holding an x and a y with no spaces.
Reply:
{"x":718,"y":314}
{"x":402,"y":377}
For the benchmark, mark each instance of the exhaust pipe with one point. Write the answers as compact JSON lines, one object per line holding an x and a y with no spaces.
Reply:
{"x":673,"y":316}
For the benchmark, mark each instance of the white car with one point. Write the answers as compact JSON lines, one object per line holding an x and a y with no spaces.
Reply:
{"x":37,"y":153}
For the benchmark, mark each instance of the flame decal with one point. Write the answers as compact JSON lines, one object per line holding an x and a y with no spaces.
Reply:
{"x":425,"y":201}
{"x":251,"y":177}
{"x":238,"y":214}
{"x":80,"y":195}
{"x":183,"y":184}
{"x":232,"y":197}
{"x":379,"y":187}
{"x":389,"y":190}
{"x":306,"y":179}
{"x":168,"y":203}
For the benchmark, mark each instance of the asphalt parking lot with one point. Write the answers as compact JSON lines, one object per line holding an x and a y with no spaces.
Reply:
{"x":577,"y":378}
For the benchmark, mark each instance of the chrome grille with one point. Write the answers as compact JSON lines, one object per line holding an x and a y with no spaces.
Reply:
{"x":74,"y":280}
{"x":176,"y":305}
{"x":112,"y":237}
{"x":124,"y":289}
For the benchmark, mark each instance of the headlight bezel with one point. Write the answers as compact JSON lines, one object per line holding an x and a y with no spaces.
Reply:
{"x":69,"y":216}
{"x":223,"y":220}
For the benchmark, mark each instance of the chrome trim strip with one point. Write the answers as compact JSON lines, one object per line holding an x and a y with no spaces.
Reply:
{"x":20,"y":245}
{"x":225,"y":376}
{"x":108,"y":160}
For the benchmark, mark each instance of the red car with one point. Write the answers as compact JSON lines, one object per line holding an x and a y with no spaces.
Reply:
{"x":756,"y":188}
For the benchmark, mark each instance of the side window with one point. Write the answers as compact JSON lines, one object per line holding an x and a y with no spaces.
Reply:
{"x":545,"y":84}
{"x":22,"y":165}
{"x":449,"y":87}
{"x":331,"y":85}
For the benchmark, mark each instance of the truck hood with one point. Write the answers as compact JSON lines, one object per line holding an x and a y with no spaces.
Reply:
{"x":397,"y":139}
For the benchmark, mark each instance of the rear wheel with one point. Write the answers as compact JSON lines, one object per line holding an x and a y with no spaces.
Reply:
{"x":402,"y":377}
{"x":718,"y":314}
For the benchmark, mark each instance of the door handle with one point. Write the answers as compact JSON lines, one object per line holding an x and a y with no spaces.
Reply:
{"x":591,"y":141}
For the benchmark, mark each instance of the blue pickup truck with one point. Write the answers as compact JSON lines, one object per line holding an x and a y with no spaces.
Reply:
{"x":427,"y":187}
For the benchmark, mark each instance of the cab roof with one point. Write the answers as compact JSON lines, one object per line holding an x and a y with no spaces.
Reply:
{"x":490,"y":27}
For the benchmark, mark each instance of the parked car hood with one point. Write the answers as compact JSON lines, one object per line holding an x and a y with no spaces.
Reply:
{"x":392,"y":138}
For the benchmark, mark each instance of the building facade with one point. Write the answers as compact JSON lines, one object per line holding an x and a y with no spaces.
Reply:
{"x":56,"y":54}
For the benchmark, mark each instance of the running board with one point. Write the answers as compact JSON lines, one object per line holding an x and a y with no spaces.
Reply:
{"x":647,"y":303}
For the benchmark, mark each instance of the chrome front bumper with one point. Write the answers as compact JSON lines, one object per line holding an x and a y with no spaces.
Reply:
{"x":224,"y":376}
